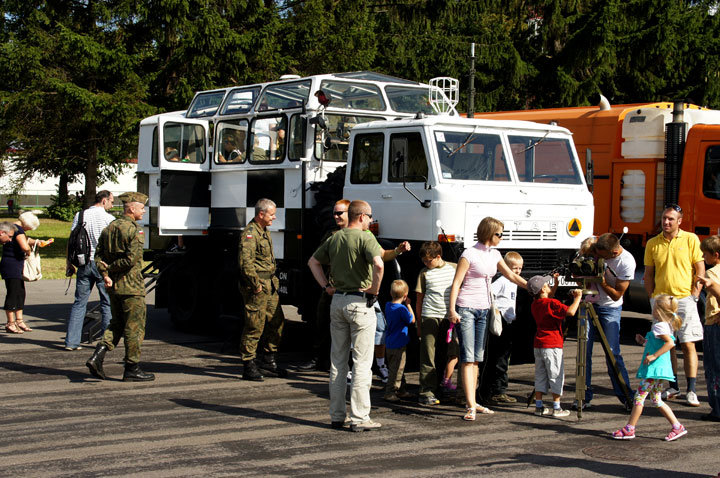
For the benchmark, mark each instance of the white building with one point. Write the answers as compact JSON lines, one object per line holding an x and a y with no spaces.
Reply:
{"x":39,"y":188}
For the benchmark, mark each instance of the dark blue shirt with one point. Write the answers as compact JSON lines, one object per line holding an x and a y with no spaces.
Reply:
{"x":13,"y":257}
{"x":398,"y":318}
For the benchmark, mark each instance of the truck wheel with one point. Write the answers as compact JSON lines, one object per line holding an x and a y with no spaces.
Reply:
{"x":186,"y":292}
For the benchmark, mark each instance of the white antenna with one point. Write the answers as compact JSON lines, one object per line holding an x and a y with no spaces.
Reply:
{"x":444,"y":94}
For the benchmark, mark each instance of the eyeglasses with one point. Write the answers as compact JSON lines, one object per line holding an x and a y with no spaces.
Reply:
{"x":368,"y":215}
{"x":499,"y":234}
{"x":338,"y":213}
{"x":674,"y":207}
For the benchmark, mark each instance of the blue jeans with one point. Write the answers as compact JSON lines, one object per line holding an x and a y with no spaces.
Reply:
{"x":609,"y":318}
{"x":711,"y":362}
{"x":473,"y":327}
{"x":87,"y":276}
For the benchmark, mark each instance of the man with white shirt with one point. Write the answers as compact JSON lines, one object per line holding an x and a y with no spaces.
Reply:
{"x":607,"y":303}
{"x":95,"y":219}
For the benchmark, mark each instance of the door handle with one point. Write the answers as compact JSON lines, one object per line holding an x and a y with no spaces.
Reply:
{"x":386,"y":196}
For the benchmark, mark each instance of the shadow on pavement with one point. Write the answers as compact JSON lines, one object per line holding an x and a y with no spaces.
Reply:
{"x":246,"y":412}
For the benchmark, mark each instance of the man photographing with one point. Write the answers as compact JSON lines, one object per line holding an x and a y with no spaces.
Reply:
{"x":673,"y":261}
{"x":607,"y":303}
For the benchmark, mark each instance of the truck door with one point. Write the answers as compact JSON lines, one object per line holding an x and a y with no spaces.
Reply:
{"x":706,"y":192}
{"x":184,"y":182}
{"x":390,"y":171}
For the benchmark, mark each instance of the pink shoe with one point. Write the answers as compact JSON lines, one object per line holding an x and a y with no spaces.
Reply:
{"x":676,"y":433}
{"x":624,"y":434}
{"x":449,"y":333}
{"x":448,"y":385}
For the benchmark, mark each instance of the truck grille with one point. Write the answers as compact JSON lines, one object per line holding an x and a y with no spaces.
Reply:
{"x":510,"y":235}
{"x":542,"y":261}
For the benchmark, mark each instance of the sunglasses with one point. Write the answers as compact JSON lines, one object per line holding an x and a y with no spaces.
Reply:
{"x":368,"y":215}
{"x":674,"y":207}
{"x":499,"y":234}
{"x":338,"y":213}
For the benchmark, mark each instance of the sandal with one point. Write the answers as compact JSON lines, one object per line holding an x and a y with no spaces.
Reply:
{"x":469,"y":414}
{"x":624,"y":434}
{"x":483,"y":410}
{"x":22,"y":325}
{"x":12,"y":328}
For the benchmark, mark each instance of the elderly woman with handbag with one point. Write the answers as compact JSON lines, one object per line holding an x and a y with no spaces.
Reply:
{"x":11,"y":271}
{"x":470,"y":302}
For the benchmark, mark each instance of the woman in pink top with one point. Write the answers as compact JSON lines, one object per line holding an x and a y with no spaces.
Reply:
{"x":470,"y":302}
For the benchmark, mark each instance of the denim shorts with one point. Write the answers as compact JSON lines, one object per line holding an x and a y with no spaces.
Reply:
{"x":471,"y":333}
{"x":380,"y":327}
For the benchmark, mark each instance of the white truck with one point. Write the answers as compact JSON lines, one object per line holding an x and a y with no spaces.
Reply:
{"x":306,"y":142}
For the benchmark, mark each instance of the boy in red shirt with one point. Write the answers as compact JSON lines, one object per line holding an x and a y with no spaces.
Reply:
{"x":549,"y":314}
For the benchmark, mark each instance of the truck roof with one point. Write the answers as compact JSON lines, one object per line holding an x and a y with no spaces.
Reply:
{"x":455,"y":121}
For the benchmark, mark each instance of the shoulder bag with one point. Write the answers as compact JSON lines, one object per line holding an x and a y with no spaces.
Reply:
{"x":32,"y":270}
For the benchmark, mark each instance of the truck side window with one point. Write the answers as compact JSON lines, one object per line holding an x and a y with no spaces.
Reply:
{"x":416,"y":168}
{"x":338,"y":129}
{"x":184,"y":143}
{"x":367,"y":159}
{"x":232,"y":144}
{"x":297,"y":138}
{"x":268,"y":139}
{"x":154,"y":153}
{"x":711,"y":173}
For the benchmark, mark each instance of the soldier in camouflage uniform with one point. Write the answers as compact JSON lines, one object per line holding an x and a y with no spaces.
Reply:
{"x":259,"y":288}
{"x":118,"y":258}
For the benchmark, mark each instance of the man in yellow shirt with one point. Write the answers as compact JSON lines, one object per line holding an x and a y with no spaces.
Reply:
{"x":673,"y":261}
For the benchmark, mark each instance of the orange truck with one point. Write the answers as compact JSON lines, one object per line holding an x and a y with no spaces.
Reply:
{"x":637,"y":159}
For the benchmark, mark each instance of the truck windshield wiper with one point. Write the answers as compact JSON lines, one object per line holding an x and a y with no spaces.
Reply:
{"x":536,"y":143}
{"x":467,"y":141}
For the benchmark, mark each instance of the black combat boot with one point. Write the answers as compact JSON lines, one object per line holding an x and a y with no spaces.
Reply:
{"x":251,"y":371}
{"x":134,"y":374}
{"x":267,"y":363}
{"x":95,"y":362}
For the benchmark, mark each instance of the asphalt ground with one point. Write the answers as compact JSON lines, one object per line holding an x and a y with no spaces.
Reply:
{"x":199,"y":419}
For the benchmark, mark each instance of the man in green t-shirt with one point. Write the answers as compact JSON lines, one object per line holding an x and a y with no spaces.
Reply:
{"x":355,"y":259}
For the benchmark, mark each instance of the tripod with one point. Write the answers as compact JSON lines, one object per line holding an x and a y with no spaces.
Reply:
{"x":587,"y":312}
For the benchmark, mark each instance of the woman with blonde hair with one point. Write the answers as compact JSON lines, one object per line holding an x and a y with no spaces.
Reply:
{"x":470,"y":303}
{"x":11,"y":270}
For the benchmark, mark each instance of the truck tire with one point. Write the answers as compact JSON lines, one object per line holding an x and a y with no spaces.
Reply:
{"x":188,"y":298}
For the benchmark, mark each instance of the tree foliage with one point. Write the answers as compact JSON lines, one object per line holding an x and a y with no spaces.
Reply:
{"x":79,"y":74}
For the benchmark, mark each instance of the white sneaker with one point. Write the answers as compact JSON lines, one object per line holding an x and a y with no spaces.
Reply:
{"x":670,"y":394}
{"x":384,"y":373}
{"x":692,"y":399}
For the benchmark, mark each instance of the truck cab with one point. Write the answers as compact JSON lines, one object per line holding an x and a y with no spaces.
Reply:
{"x":436,"y":178}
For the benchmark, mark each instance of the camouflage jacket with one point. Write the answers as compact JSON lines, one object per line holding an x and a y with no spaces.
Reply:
{"x":119,"y":254}
{"x":255,"y":255}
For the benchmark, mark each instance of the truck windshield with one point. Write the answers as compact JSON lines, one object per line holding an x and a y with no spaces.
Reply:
{"x":471,"y":156}
{"x":409,"y":100}
{"x":539,"y":159}
{"x":205,"y":104}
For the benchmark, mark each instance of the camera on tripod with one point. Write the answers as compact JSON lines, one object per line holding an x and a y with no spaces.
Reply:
{"x":580,"y":268}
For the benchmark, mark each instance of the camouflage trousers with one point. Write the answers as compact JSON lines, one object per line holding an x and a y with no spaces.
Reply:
{"x":128,"y":322}
{"x":263,"y":314}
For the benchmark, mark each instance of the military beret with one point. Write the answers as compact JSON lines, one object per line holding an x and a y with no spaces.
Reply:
{"x":133,"y":197}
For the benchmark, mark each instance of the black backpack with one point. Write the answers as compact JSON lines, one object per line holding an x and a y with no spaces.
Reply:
{"x":79,"y":244}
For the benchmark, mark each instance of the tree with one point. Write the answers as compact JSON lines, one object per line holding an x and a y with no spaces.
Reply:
{"x":326,"y":36}
{"x":191,"y":45}
{"x":72,"y":95}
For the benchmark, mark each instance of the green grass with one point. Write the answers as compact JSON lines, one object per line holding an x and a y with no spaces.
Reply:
{"x":53,"y":256}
